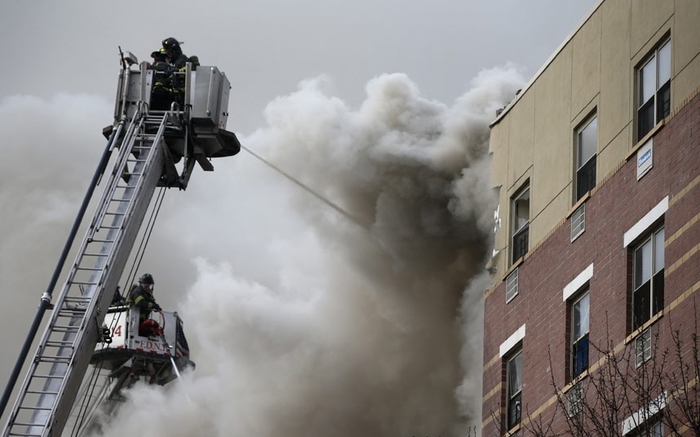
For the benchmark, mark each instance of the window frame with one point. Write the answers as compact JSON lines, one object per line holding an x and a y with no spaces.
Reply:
{"x":518,"y":234}
{"x":582,"y":340}
{"x":655,"y":103}
{"x":655,"y":281}
{"x":585,"y":170}
{"x":514,"y":400}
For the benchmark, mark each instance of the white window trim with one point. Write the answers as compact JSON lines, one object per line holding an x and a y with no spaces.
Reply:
{"x":578,"y":282}
{"x":646,"y":222}
{"x":645,"y":413}
{"x":512,"y":341}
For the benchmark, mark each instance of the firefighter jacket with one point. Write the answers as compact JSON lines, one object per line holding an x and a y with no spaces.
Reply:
{"x":144,"y":300}
{"x":179,"y":62}
{"x":162,"y":75}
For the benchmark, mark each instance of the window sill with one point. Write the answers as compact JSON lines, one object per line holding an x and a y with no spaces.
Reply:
{"x":578,"y":204}
{"x":515,"y":265}
{"x":514,"y":430}
{"x":583,"y":375}
{"x":630,"y":338}
{"x":646,"y":138}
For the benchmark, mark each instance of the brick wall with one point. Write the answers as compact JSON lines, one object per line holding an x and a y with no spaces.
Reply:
{"x":615,"y":205}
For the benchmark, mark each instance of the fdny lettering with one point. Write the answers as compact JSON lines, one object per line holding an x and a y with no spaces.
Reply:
{"x":150,"y":345}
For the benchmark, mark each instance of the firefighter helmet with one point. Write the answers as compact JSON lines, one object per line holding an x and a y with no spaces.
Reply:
{"x":147,"y":279}
{"x":171,"y":44}
{"x":159,"y":55}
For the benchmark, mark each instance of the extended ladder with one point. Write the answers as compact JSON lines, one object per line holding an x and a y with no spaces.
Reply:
{"x":55,"y":373}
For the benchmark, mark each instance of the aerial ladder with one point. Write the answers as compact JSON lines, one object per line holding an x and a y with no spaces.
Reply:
{"x":84,"y":328}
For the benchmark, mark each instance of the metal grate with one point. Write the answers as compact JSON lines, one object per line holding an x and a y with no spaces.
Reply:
{"x":512,"y":285}
{"x":578,"y":222}
{"x":575,"y":400}
{"x":643,"y":347}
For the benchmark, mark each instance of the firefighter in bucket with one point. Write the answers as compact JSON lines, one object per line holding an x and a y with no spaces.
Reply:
{"x":141,"y":296}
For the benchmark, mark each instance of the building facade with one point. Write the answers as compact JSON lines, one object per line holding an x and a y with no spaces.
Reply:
{"x":591,"y":321}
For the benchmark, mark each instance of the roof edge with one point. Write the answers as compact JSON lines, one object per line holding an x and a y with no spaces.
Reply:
{"x":539,"y":72}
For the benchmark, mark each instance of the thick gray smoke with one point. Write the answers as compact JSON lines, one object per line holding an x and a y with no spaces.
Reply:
{"x":305,"y":323}
{"x":351,"y":328}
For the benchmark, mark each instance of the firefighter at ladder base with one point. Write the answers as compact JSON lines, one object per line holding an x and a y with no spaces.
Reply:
{"x":141,"y":296}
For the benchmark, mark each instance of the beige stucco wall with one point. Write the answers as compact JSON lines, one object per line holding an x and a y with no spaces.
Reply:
{"x":593,"y":72}
{"x":686,"y":62}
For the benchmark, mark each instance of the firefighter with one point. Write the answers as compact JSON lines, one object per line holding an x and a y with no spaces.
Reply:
{"x":117,"y":299}
{"x":176,"y":57}
{"x":178,"y":61}
{"x":141,"y":296}
{"x":162,"y":93}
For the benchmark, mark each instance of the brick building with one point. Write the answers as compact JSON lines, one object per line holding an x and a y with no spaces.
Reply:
{"x":597,"y":166}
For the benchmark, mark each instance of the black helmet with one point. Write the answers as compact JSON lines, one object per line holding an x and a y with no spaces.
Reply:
{"x":171,"y":44}
{"x":159,"y":55}
{"x":147,"y":279}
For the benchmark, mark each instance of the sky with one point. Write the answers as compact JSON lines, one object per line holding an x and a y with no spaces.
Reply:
{"x":300,"y":320}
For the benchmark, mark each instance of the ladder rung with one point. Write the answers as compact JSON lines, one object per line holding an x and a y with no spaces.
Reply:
{"x":74,"y":306}
{"x":83,"y":283}
{"x":110,"y":227}
{"x":59,"y":344}
{"x":24,"y":434}
{"x":95,"y":254}
{"x":77,"y":299}
{"x":67,"y":329}
{"x":80,"y":305}
{"x":114,"y":213}
{"x":71,"y":313}
{"x":95,"y":240}
{"x":49,"y":376}
{"x":88,"y":269}
{"x":41,"y":392}
{"x":54,"y":359}
{"x":36,"y":408}
{"x":120,"y":200}
{"x":27,"y":424}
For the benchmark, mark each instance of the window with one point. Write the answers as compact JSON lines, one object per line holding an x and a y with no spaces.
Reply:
{"x":646,"y":422}
{"x":586,"y":148}
{"x":654,"y":429}
{"x":520,"y":207}
{"x":514,"y":388}
{"x":648,"y":297}
{"x":654,"y":89}
{"x":580,"y":314}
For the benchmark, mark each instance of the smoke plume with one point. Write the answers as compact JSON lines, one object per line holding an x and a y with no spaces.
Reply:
{"x":354,"y":327}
